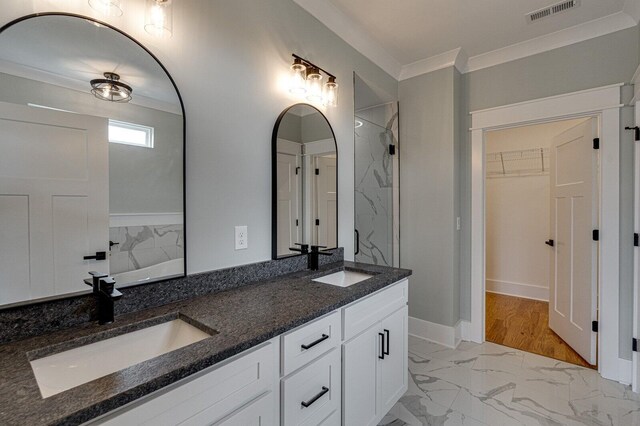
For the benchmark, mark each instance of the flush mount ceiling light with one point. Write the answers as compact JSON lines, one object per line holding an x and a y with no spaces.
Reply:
{"x":159,"y":18}
{"x":306,"y":80}
{"x":110,"y":88}
{"x":107,"y":7}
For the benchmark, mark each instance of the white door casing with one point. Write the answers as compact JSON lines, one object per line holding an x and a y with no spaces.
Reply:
{"x":54,"y":201}
{"x":326,"y":201}
{"x":605,"y":104}
{"x":288,"y":202}
{"x":574,"y":259}
{"x":635,"y":357}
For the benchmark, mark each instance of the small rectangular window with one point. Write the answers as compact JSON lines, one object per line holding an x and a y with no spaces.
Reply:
{"x":130,"y":134}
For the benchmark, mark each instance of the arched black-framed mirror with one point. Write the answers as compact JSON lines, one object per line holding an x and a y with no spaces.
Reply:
{"x":304,"y":158}
{"x":93,"y":143}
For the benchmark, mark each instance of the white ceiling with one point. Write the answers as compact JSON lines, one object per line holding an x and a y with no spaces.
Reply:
{"x":70,"y":52}
{"x":409,"y":31}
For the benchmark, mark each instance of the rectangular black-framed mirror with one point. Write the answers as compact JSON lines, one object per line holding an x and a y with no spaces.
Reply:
{"x":304,"y":182}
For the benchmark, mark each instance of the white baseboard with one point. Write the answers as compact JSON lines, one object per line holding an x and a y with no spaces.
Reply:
{"x":625,"y":371}
{"x":527,"y":291}
{"x":442,"y":334}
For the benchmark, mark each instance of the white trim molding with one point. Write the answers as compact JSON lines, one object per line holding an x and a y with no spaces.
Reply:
{"x":509,"y":288}
{"x":442,"y":334}
{"x":453,"y":58}
{"x":117,"y":220}
{"x":603,"y":103}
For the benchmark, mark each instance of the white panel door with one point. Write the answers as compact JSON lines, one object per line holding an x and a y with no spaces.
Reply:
{"x":574,"y":216}
{"x":327,"y":202}
{"x":393,"y":370}
{"x":359,"y":366}
{"x":54,"y":200}
{"x":288,"y":202}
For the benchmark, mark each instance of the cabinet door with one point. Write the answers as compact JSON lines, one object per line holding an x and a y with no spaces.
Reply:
{"x":359,"y":363}
{"x":258,"y":413}
{"x":392,"y":377}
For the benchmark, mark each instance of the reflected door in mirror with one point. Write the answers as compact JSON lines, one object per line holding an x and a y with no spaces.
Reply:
{"x":305,"y":181}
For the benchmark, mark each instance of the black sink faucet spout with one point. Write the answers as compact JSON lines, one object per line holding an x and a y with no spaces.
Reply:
{"x":314,"y":257}
{"x":104,"y":289}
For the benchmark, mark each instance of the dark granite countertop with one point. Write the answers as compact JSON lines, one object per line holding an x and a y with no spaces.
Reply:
{"x":243,"y":318}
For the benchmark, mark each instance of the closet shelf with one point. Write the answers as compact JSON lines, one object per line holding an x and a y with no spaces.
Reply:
{"x":525,"y":162}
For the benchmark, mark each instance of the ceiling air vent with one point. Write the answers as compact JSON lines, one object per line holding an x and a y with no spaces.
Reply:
{"x":552,"y":10}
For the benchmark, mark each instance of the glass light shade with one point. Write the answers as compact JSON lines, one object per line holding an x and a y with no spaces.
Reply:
{"x":330,"y":97}
{"x":159,"y":18}
{"x":314,"y":86}
{"x":298,"y":85}
{"x":107,"y":7}
{"x":111,"y":89}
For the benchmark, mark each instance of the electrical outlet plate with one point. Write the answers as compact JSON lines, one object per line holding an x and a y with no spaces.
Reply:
{"x":242,"y":238}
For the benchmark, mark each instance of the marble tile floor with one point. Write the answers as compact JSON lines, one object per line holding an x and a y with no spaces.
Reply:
{"x":493,"y":385}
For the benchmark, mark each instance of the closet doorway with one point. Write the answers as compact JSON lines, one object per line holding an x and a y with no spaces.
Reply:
{"x":541,"y":263}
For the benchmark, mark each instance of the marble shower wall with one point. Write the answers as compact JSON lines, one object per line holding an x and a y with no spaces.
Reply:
{"x":376,"y":185}
{"x":141,"y":246}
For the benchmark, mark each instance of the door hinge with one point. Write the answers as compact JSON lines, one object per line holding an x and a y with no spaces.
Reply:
{"x":636,"y":130}
{"x":636,"y":240}
{"x":392,"y":150}
{"x":596,"y":143}
{"x":594,"y":326}
{"x":297,"y":170}
{"x":296,"y":222}
{"x":596,"y":235}
{"x":317,"y":222}
{"x":634,"y":344}
{"x":317,"y":171}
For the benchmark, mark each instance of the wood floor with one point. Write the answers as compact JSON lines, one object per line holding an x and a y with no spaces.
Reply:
{"x":523,"y":324}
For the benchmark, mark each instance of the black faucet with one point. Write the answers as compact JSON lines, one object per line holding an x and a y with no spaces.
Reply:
{"x":104,"y":289}
{"x":314,"y":256}
{"x":304,"y":248}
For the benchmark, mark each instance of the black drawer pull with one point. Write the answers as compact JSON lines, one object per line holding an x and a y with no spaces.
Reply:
{"x":381,"y":356}
{"x":312,"y":344}
{"x":387,"y":339}
{"x":315,"y":398}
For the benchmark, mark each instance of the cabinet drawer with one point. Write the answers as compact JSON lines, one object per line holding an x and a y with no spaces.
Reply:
{"x":212,"y":395}
{"x":312,"y":395}
{"x":365,"y":313}
{"x":308,"y":342}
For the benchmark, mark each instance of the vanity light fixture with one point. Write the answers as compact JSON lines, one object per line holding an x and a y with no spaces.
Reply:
{"x":306,"y":80}
{"x":107,"y":7}
{"x":110,"y":88}
{"x":159,"y":18}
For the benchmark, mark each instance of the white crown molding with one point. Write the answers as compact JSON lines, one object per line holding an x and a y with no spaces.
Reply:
{"x":349,"y":31}
{"x":46,"y":77}
{"x":588,"y":30}
{"x":455,"y":57}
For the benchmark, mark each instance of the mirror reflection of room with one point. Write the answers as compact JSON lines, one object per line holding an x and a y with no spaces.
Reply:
{"x":105,"y":193}
{"x":306,"y":180}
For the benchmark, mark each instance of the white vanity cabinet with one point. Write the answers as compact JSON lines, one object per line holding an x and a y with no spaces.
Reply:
{"x":375,"y":373}
{"x":348,"y":367}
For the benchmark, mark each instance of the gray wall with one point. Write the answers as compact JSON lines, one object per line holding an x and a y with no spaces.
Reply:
{"x":428,"y":193}
{"x":605,"y":60}
{"x":290,"y":128}
{"x":141,"y":180}
{"x":315,"y":128}
{"x":230,"y":60}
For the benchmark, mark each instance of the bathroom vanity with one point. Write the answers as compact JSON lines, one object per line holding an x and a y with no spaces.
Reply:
{"x":289,"y":350}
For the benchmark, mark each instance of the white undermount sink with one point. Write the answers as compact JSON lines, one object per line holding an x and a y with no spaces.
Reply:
{"x":343,"y":278}
{"x":65,"y":370}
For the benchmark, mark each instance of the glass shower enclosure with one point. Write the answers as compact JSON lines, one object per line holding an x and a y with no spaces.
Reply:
{"x":376,"y":185}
